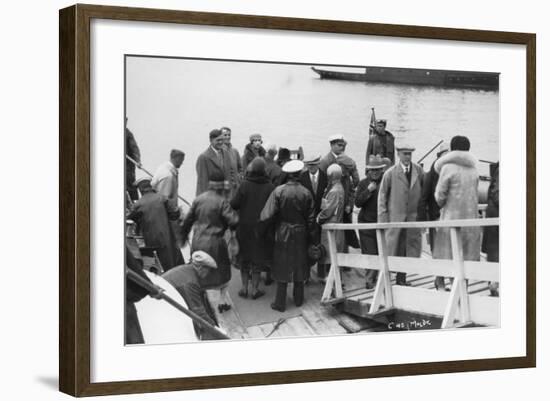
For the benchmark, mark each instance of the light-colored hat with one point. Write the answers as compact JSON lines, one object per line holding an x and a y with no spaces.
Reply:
{"x":312,"y":159}
{"x":406,"y":147}
{"x":201,"y":258}
{"x":254,"y":137}
{"x":334,"y":169}
{"x":333,"y":138}
{"x":444,"y":147}
{"x":293,"y":166}
{"x":142,"y":179}
{"x":375,"y":162}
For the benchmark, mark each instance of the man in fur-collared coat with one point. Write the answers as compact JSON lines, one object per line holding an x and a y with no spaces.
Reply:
{"x":457,"y":195}
{"x":398,"y":199}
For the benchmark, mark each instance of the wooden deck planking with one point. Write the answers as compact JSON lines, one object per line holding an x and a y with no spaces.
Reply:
{"x":228,"y":320}
{"x":319,"y":320}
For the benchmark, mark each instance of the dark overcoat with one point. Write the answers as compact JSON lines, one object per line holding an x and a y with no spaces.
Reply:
{"x":249,"y":200}
{"x":367,"y":201}
{"x":153,"y":212}
{"x":132,"y":150}
{"x":235,"y":169}
{"x":210,"y":216}
{"x":209,"y":163}
{"x":250,"y":153}
{"x":273,"y":171}
{"x":322,"y":183}
{"x":291,"y":207}
{"x":428,"y":209}
{"x":491,"y":234}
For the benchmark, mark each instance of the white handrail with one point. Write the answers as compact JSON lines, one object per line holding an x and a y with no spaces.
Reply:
{"x":493,"y":221}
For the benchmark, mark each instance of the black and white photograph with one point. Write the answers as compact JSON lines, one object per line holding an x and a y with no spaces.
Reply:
{"x":267,"y":199}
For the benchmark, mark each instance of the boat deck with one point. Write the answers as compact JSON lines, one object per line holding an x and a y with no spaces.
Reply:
{"x":249,"y":318}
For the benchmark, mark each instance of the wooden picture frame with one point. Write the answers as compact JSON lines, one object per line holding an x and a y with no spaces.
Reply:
{"x":75,"y":207}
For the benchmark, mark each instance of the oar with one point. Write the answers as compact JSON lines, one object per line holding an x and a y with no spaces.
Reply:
{"x":158,"y":292}
{"x":430,"y":151}
{"x":138,"y":165}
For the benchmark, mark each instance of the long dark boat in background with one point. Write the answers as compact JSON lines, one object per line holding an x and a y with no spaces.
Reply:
{"x":416,"y":76}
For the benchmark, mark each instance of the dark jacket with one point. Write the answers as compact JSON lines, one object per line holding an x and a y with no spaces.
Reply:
{"x":210,"y":216}
{"x":322,"y":183}
{"x":490,"y":243}
{"x":152,"y":213}
{"x":135,"y":292}
{"x":367,"y":201}
{"x":208,"y":163}
{"x":132,"y":150}
{"x":235,"y":169}
{"x":428,"y":209}
{"x":250,"y":153}
{"x":249,"y":200}
{"x":187,"y":282}
{"x":273,"y":171}
{"x":383,"y":145}
{"x":291,"y":207}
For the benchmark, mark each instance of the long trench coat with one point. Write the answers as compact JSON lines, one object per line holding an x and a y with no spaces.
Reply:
{"x":255,"y":245}
{"x":291,"y":207}
{"x":332,"y":211}
{"x":398,"y":202}
{"x":456,"y":193}
{"x":210,"y":216}
{"x":153,"y":213}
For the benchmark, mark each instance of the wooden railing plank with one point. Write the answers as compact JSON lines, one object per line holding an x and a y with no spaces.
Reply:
{"x":473,"y":270}
{"x":493,"y":221}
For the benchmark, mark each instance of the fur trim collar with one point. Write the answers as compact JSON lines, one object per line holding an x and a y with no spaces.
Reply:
{"x":460,"y":157}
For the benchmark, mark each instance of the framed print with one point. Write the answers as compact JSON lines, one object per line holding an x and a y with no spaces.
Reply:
{"x":250,"y":200}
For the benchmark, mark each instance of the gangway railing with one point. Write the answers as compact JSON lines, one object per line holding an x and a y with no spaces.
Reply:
{"x":457,"y":307}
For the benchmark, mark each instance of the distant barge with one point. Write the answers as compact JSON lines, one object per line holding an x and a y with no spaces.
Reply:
{"x":415,"y":76}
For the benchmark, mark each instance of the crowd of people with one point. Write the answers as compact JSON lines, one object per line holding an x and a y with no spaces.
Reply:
{"x":262,"y":213}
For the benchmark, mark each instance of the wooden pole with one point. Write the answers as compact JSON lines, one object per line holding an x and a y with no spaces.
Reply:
{"x":159,"y":292}
{"x":430,"y":151}
{"x":138,"y":165}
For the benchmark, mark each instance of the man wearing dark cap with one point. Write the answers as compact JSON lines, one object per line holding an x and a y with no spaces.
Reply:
{"x":213,"y":160}
{"x":381,"y":142}
{"x":153,"y":213}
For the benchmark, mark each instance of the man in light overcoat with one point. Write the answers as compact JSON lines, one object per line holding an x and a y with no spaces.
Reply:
{"x":398,"y":198}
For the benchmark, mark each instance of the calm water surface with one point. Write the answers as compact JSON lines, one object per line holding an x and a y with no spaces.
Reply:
{"x":174,"y":103}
